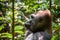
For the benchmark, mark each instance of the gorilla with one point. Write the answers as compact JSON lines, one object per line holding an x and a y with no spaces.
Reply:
{"x":38,"y":27}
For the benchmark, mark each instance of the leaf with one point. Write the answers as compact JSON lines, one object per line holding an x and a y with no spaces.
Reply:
{"x":20,"y":32}
{"x":1,"y":28}
{"x":17,"y":28}
{"x":54,"y":37}
{"x":1,"y":18}
{"x":35,"y":6}
{"x":6,"y":35}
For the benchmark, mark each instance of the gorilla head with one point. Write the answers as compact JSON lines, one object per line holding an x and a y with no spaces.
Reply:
{"x":40,"y":21}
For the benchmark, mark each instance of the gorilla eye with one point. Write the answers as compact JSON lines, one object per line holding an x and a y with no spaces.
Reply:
{"x":32,"y":16}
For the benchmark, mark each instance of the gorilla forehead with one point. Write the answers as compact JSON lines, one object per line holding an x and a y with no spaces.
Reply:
{"x":41,"y":14}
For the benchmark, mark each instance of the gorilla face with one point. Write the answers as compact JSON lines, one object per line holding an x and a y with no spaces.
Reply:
{"x":39,"y":21}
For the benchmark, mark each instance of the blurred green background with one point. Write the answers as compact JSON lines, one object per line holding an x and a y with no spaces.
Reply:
{"x":26,"y":7}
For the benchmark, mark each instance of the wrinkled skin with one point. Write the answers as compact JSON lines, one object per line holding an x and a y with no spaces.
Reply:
{"x":39,"y":22}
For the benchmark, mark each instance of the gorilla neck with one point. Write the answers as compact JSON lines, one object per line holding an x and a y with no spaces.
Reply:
{"x":38,"y":30}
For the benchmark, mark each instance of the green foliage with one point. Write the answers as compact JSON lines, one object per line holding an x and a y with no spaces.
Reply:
{"x":27,"y":7}
{"x":8,"y":35}
{"x":55,"y":37}
{"x":1,"y":27}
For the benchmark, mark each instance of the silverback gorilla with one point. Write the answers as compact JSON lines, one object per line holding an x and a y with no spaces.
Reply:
{"x":37,"y":26}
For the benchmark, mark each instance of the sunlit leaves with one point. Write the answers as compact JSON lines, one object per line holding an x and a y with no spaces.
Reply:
{"x":55,"y":37}
{"x":6,"y":35}
{"x":1,"y":28}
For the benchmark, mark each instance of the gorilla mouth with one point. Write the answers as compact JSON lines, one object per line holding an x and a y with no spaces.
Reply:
{"x":27,"y":25}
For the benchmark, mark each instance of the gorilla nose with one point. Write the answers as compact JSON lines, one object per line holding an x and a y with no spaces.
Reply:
{"x":28,"y":23}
